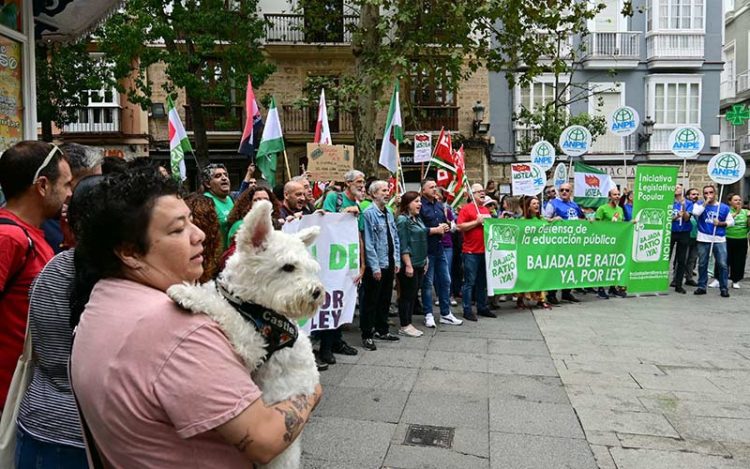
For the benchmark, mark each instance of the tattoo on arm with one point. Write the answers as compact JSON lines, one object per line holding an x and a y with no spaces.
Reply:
{"x":244,"y":443}
{"x":293,"y":419}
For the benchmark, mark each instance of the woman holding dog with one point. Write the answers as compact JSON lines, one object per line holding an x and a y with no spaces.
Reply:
{"x":157,"y":386}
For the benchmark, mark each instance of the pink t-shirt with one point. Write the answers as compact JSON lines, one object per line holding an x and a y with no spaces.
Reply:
{"x":154,"y":381}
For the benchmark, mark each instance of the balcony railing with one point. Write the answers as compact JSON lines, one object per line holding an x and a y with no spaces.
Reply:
{"x":96,"y":120}
{"x":217,"y":118}
{"x":727,"y":145}
{"x":675,"y":45}
{"x":728,"y":89}
{"x":295,"y":120}
{"x":287,"y":28}
{"x":743,"y":81}
{"x":626,"y":45}
{"x":607,"y":143}
{"x":745,"y":143}
{"x":432,"y":118}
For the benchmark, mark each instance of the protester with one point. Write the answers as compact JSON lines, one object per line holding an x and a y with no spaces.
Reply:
{"x":347,"y":201}
{"x":412,"y":235}
{"x":432,"y":214}
{"x":737,"y":240}
{"x":244,"y":204}
{"x":204,"y":217}
{"x":510,"y":207}
{"x":294,"y":201}
{"x":186,"y":398}
{"x":36,"y":181}
{"x":626,"y":202}
{"x":563,"y":208}
{"x":531,"y":211}
{"x":471,"y":224}
{"x":215,"y":181}
{"x":49,"y":432}
{"x":382,"y":263}
{"x":447,"y":242}
{"x":611,"y":212}
{"x":681,"y":227}
{"x":490,"y":190}
{"x":692,"y":256}
{"x":713,"y":219}
{"x":309,"y":205}
{"x":248,"y":182}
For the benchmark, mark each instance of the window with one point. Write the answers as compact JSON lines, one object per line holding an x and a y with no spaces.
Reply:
{"x":610,"y":96}
{"x":675,"y":14}
{"x":729,"y":72}
{"x":536,"y":95}
{"x":432,"y":101}
{"x":675,"y":101}
{"x":728,"y":5}
{"x":103,"y":107}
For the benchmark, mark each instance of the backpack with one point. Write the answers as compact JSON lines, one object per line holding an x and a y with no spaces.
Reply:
{"x":27,"y":256}
{"x":339,"y":201}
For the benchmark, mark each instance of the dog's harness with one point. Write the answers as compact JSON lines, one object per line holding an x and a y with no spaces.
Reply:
{"x":278,"y":331}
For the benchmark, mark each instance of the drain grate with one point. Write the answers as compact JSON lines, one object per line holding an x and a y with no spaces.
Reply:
{"x":426,"y":435}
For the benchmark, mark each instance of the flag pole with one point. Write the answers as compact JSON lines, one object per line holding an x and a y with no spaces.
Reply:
{"x":471,"y":194}
{"x":286,"y":162}
{"x":429,"y":163}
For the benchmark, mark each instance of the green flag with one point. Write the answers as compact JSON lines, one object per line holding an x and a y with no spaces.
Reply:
{"x":592,"y":185}
{"x":271,"y":143}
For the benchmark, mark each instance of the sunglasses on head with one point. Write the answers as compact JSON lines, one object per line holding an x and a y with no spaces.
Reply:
{"x":46,"y":161}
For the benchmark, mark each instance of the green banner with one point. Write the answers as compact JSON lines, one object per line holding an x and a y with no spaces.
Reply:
{"x":537,"y":255}
{"x":652,"y":205}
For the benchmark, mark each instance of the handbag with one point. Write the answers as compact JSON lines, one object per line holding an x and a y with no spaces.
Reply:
{"x":18,"y":386}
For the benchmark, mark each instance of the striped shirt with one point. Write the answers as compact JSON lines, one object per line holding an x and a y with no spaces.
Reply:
{"x":48,"y":410}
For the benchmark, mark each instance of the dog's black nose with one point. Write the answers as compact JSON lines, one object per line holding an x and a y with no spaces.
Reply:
{"x":316,"y":293}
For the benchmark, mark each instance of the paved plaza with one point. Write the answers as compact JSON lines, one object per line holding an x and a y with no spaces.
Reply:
{"x":636,"y":383}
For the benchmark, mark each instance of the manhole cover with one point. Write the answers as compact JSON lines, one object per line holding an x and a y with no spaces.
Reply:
{"x":425,"y":435}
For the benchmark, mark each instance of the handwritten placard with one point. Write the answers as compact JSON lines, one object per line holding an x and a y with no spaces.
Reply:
{"x":329,"y":162}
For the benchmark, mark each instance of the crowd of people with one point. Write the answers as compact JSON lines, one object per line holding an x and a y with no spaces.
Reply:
{"x":91,"y":244}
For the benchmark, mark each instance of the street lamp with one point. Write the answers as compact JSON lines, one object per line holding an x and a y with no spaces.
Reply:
{"x":477,"y":126}
{"x":648,"y":131}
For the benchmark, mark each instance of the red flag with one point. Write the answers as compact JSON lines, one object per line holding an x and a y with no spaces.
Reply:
{"x":444,"y":150}
{"x":459,"y":162}
{"x":444,"y":177}
{"x":253,"y":123}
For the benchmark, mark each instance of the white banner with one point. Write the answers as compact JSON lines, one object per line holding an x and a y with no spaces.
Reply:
{"x":527,"y":179}
{"x":337,"y":252}
{"x":422,"y":148}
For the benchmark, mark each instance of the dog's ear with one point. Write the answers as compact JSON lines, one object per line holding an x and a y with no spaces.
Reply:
{"x":308,"y":235}
{"x":256,"y":227}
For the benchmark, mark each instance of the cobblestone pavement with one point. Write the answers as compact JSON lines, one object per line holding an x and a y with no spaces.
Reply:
{"x":649,"y":382}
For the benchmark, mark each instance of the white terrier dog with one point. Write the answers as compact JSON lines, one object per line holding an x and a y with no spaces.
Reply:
{"x":270,"y":270}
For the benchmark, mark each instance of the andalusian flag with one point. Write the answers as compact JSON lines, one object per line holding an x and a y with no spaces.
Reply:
{"x":179,"y":143}
{"x":394,"y":134}
{"x":271,"y":144}
{"x":592,"y":186}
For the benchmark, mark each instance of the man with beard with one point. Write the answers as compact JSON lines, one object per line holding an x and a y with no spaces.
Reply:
{"x":215,"y":180}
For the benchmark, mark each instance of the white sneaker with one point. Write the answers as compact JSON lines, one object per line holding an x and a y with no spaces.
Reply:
{"x":410,"y":331}
{"x":736,"y":285}
{"x":429,"y":321}
{"x":450,"y":319}
{"x":437,"y":302}
{"x":714,"y":284}
{"x":453,"y":302}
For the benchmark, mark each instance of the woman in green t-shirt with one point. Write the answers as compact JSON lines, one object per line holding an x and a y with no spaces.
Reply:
{"x":737,"y":240}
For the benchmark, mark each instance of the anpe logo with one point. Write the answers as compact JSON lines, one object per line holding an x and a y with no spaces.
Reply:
{"x":726,"y":168}
{"x":576,"y":138}
{"x":623,"y":119}
{"x":686,"y":139}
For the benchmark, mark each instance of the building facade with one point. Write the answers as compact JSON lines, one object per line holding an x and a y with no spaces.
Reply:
{"x":664,"y":61}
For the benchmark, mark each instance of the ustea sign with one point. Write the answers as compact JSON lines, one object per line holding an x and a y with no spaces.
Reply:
{"x":575,"y":140}
{"x":543,"y":154}
{"x":527,"y":179}
{"x":623,"y":121}
{"x":726,"y":168}
{"x":422,"y":147}
{"x":686,"y":141}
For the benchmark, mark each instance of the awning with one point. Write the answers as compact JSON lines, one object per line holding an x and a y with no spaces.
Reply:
{"x":68,"y":20}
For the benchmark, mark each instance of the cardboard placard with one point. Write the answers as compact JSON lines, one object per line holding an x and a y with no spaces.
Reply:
{"x":329,"y":162}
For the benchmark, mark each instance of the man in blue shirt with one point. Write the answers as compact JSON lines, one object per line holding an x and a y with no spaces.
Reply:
{"x":713,"y":219}
{"x":681,"y":227}
{"x":563,"y":208}
{"x":438,"y":271}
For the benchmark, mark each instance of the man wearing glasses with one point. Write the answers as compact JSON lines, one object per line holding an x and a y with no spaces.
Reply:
{"x":215,"y":180}
{"x":713,"y":219}
{"x":549,"y":195}
{"x":36,"y":180}
{"x":563,"y":208}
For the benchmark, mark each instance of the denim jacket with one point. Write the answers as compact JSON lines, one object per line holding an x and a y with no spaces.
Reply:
{"x":376,"y":239}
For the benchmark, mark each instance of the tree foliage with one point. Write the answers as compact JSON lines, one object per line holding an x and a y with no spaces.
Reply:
{"x":64,"y":72}
{"x":208,"y":48}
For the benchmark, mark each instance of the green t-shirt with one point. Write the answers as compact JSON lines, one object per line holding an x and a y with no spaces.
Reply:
{"x":608,"y":213}
{"x":223,"y":207}
{"x":740,"y":228}
{"x":233,"y":230}
{"x":332,"y":201}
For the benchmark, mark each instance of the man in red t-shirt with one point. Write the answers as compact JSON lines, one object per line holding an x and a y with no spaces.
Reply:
{"x":36,"y":180}
{"x":471,"y":223}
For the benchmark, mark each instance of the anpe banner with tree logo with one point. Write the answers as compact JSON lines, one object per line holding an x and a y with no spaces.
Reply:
{"x":652,"y":208}
{"x":537,"y":255}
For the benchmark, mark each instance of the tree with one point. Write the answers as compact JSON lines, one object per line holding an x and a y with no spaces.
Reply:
{"x":63,"y":75}
{"x":209,"y":47}
{"x":388,"y":39}
{"x":532,"y":38}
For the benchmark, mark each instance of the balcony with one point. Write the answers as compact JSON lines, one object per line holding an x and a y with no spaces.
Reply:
{"x":745,"y":144}
{"x":728,"y":89}
{"x":217,"y":118}
{"x":432,"y":118}
{"x":612,"y":50}
{"x":727,"y":145}
{"x":296,"y":120}
{"x":607,"y":144}
{"x":675,"y":49}
{"x":743,"y":82}
{"x":96,"y":120}
{"x":291,"y":29}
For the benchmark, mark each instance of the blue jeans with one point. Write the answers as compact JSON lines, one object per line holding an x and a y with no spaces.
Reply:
{"x":449,"y":262}
{"x":34,"y":454}
{"x":475,"y":280}
{"x":720,"y":256}
{"x":438,"y":274}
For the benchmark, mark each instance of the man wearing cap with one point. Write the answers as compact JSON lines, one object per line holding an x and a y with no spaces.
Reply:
{"x":471,"y":224}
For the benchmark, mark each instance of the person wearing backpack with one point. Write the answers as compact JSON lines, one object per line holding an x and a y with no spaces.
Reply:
{"x":36,"y":180}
